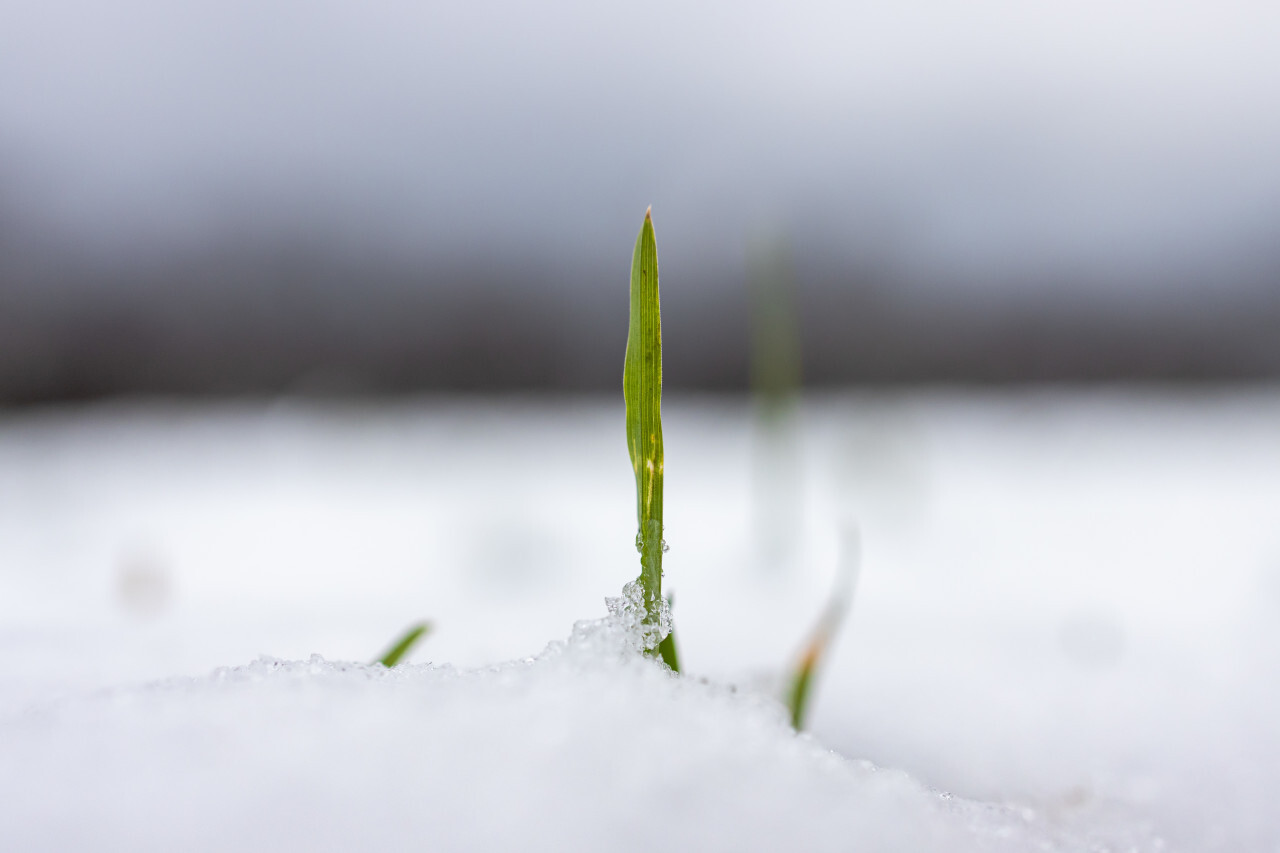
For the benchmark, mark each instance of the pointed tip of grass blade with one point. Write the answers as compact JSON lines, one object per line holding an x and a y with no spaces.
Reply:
{"x":402,"y":646}
{"x":648,"y":214}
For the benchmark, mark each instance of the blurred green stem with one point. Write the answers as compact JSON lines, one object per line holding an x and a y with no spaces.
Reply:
{"x":404,"y":644}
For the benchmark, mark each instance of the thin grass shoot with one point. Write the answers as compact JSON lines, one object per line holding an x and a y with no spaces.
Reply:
{"x":803,"y":675}
{"x":642,"y":391}
{"x":404,"y":644}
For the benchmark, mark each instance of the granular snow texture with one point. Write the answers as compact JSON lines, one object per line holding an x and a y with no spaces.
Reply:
{"x":1068,"y":601}
{"x":589,"y":746}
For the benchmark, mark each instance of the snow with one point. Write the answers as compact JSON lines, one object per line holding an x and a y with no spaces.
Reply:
{"x":1066,"y":618}
{"x":587,"y":747}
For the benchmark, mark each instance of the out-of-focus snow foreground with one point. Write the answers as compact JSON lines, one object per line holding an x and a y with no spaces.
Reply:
{"x":1068,"y":610}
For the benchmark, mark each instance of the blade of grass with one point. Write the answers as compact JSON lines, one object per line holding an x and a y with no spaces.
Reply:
{"x":407,"y":641}
{"x":800,"y":686}
{"x":642,"y":390}
{"x":667,"y":648}
{"x":667,"y":651}
{"x":775,"y":331}
{"x":775,"y":388}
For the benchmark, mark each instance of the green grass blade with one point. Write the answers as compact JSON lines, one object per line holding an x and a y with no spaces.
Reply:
{"x":667,"y":648}
{"x":800,"y":685}
{"x":407,"y":641}
{"x":801,"y":681}
{"x":667,"y":651}
{"x":775,"y":387}
{"x":642,"y":389}
{"x":775,"y":331}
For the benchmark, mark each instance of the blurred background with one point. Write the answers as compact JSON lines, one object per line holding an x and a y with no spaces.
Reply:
{"x":1002,"y":280}
{"x":328,"y":197}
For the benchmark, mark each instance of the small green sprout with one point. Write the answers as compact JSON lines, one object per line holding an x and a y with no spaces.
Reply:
{"x":642,"y":390}
{"x":800,"y":685}
{"x":404,"y":644}
{"x":775,"y":387}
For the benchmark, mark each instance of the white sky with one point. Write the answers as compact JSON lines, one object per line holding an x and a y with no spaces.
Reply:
{"x":980,"y":137}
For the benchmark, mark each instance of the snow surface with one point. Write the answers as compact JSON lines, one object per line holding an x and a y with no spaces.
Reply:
{"x":586,"y":747}
{"x":1069,"y":607}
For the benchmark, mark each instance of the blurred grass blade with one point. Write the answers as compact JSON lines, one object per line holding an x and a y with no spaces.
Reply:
{"x":800,"y":686}
{"x":402,"y":646}
{"x":775,"y":331}
{"x":642,"y":389}
{"x":776,"y":492}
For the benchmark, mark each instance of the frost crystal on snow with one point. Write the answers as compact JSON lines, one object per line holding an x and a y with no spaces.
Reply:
{"x":627,"y":628}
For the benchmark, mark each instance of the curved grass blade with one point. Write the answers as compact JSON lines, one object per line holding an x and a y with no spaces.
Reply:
{"x":407,"y":641}
{"x":642,"y":390}
{"x":800,"y":687}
